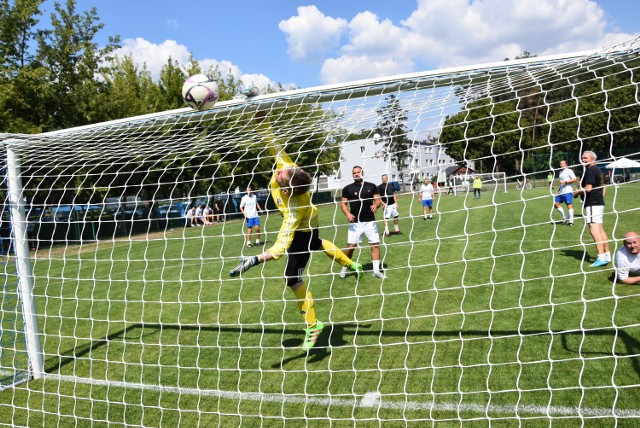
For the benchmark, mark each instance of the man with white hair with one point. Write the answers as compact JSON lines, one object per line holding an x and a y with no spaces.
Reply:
{"x":593,"y":192}
{"x":628,"y":259}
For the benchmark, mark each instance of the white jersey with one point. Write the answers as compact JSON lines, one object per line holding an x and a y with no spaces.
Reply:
{"x":566,"y":174}
{"x":427,"y":191}
{"x":627,"y":263}
{"x":250,"y":205}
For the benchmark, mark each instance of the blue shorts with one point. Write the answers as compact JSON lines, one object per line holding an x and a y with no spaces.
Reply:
{"x":253,"y":222}
{"x":566,"y":198}
{"x":427,"y":203}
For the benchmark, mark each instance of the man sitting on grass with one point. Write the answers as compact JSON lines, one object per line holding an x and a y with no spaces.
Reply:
{"x":628,"y":260}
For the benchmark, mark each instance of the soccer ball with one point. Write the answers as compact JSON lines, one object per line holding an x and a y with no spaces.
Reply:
{"x":200,"y":92}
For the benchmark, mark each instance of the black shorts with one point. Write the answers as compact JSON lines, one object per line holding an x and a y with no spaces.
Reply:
{"x":298,"y":255}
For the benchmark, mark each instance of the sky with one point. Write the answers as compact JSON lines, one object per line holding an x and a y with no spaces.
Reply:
{"x":322,"y":42}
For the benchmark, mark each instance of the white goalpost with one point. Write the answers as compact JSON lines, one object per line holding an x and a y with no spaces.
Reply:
{"x":118,"y":309}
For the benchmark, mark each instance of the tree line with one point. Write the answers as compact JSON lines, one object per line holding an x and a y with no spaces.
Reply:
{"x":527,"y":128}
{"x":59,"y":77}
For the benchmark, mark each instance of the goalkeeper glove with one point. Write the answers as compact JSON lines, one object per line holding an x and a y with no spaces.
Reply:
{"x":246,"y":263}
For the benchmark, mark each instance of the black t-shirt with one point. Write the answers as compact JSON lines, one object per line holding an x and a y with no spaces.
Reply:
{"x":360,"y":197}
{"x":593,"y":176}
{"x":386,"y":193}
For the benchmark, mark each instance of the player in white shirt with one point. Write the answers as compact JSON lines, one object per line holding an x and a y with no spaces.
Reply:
{"x":250,"y":209}
{"x":427,"y":191}
{"x":628,"y":260}
{"x":565,"y":192}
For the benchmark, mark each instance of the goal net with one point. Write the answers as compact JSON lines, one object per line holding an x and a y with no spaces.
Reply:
{"x":489,"y":313}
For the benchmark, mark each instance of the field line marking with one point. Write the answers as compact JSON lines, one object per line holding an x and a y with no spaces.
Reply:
{"x":369,"y":400}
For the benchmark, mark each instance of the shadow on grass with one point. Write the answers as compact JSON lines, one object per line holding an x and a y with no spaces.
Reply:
{"x":341,"y":335}
{"x":577,"y":254}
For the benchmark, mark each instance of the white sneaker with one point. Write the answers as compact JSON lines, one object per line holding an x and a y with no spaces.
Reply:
{"x":343,"y":273}
{"x":379,"y":275}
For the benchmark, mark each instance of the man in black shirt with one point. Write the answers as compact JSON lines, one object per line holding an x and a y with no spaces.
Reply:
{"x":360,"y":201}
{"x":593,"y":193}
{"x":390,"y":205}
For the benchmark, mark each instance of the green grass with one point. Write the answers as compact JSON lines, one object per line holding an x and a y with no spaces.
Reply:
{"x":487,"y":307}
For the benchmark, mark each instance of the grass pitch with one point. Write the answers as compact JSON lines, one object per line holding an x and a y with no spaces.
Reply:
{"x":490,"y":313}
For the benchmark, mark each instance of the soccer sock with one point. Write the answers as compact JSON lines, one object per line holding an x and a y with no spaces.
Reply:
{"x":335,"y":253}
{"x":305,"y":303}
{"x":561,"y":211}
{"x":396,"y":227}
{"x":571,"y":215}
{"x":376,"y":265}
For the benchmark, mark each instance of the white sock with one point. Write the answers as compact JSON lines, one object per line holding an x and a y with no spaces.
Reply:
{"x":571,"y":215}
{"x":344,"y":269}
{"x":257,"y":242}
{"x":396,"y":227}
{"x":561,"y":211}
{"x":376,"y":265}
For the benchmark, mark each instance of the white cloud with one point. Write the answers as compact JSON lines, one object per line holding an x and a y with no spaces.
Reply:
{"x":349,"y":67}
{"x":446,"y":33}
{"x":155,"y":56}
{"x":311,"y":34}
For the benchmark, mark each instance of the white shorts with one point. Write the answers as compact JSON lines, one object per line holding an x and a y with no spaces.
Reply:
{"x":356,"y":230}
{"x":390,"y":211}
{"x":594,"y":214}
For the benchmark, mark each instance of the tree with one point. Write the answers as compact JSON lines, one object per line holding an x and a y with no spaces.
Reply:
{"x":21,"y":81}
{"x":17,"y":25}
{"x":72,"y":60}
{"x":512,"y":130}
{"x":126,"y":91}
{"x":172,"y":78}
{"x":392,"y":128}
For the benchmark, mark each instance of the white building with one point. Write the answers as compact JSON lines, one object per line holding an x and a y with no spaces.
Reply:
{"x":423,"y":160}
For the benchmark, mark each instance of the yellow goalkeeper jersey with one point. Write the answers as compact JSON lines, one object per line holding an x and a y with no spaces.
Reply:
{"x":299,"y":214}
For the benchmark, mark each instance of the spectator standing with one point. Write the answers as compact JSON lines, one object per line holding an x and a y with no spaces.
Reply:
{"x":477,"y":187}
{"x":360,"y":201}
{"x":389,"y":202}
{"x":426,"y":193}
{"x":251,"y":209}
{"x":565,"y":192}
{"x":593,"y":193}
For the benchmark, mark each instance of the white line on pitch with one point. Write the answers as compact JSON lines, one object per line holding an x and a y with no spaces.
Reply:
{"x":370,"y":399}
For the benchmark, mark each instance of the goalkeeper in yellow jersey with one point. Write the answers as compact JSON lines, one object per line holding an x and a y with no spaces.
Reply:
{"x":298,"y":234}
